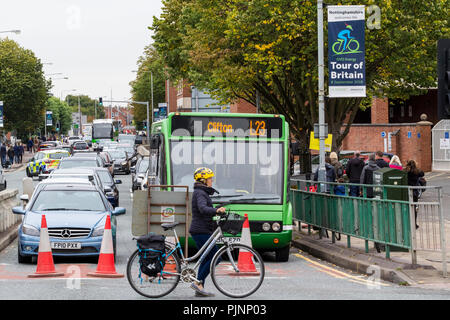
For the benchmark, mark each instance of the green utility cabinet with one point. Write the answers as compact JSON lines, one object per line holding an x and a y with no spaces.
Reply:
{"x":390,"y":177}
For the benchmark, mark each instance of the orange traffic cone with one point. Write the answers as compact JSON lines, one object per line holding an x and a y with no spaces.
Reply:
{"x":45,"y":265}
{"x":245,"y":259}
{"x":105,"y":267}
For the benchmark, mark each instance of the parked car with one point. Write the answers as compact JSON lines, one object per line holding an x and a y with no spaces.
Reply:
{"x":75,"y":215}
{"x":109,"y":186}
{"x":45,"y":161}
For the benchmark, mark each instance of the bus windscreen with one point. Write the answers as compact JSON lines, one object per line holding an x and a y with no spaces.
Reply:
{"x":252,"y":170}
{"x":102,"y":131}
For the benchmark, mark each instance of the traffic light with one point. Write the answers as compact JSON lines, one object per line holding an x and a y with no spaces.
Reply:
{"x":100,"y":102}
{"x":444,"y":79}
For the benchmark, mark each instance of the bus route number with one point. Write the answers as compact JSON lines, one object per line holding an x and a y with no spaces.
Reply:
{"x":258,"y":128}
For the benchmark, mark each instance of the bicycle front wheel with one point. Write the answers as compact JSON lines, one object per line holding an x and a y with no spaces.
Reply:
{"x":154,"y":287}
{"x":237,"y":270}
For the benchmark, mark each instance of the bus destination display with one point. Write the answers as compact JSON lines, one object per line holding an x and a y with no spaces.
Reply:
{"x":264,"y":127}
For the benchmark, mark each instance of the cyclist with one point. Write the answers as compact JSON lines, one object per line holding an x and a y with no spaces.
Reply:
{"x":345,"y":35}
{"x":202,"y":225}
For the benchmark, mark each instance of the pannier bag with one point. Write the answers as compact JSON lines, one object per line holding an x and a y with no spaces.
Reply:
{"x":151,"y":254}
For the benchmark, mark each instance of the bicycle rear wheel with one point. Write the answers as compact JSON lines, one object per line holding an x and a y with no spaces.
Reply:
{"x":237,"y":270}
{"x":154,"y":287}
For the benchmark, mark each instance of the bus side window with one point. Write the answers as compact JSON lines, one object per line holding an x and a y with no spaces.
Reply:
{"x":162,"y":162}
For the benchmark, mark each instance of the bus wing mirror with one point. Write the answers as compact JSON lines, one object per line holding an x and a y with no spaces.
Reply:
{"x":155,"y":141}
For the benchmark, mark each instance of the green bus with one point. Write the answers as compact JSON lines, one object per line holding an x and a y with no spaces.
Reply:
{"x":249,"y":156}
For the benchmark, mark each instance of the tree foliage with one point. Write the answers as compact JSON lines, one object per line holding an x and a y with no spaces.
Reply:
{"x":87,"y":106}
{"x":234,"y":48}
{"x":23,"y":88}
{"x":62,"y":113}
{"x":149,"y":62}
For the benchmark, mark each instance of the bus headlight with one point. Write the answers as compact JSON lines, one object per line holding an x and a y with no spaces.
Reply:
{"x":266,"y":226}
{"x":276,"y":227}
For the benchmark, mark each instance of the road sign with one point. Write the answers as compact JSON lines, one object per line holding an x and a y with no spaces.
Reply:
{"x":314,"y":144}
{"x":409,"y":134}
{"x":49,"y":118}
{"x":383,"y":134}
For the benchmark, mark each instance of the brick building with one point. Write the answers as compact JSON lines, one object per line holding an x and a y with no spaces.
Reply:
{"x":186,"y":97}
{"x":122,"y":114}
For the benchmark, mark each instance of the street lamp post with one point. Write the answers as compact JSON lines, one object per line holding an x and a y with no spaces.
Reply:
{"x":148,"y":111}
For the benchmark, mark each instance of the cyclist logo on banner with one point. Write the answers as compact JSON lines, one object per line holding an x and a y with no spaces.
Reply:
{"x":346,"y":44}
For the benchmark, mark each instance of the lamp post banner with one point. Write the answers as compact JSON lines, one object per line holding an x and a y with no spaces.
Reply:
{"x":346,"y":51}
{"x":49,"y":118}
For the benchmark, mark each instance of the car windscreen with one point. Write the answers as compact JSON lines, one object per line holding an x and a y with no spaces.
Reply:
{"x":105,"y":177}
{"x":79,"y":145}
{"x":68,"y":200}
{"x":58,"y":155}
{"x":77,"y":164}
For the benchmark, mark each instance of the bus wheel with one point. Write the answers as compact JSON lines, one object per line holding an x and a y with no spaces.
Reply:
{"x":282,"y":255}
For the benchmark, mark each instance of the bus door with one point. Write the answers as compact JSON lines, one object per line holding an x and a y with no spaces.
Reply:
{"x":157,"y":168}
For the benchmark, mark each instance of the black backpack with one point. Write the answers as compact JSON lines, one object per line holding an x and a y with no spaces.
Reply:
{"x":151,"y":254}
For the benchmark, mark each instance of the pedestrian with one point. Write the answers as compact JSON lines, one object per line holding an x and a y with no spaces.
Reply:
{"x":11,"y":154}
{"x":353,"y":171}
{"x":380,"y":161}
{"x":21,"y":152}
{"x":367,"y":174}
{"x":16,"y":152}
{"x":202,"y":225}
{"x":338,"y":167}
{"x":395,"y":163}
{"x":35,"y":144}
{"x":415,"y":179}
{"x":3,"y":153}
{"x":30,"y":145}
{"x":330,"y":174}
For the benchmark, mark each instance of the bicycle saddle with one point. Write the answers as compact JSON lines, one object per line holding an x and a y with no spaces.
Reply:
{"x":169,"y":226}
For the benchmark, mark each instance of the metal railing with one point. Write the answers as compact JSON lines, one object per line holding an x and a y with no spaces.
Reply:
{"x":376,"y":218}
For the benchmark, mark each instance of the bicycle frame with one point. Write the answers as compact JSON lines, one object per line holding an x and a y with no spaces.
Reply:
{"x":203,"y":251}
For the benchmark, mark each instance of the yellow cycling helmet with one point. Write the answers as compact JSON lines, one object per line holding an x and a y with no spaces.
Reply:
{"x":203,"y":173}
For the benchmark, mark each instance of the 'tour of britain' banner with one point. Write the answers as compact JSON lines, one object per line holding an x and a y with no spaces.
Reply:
{"x":346,"y":51}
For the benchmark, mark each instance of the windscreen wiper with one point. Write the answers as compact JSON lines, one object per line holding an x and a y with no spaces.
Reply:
{"x":227,"y":195}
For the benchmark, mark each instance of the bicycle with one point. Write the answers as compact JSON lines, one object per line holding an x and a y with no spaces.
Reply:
{"x":232,"y":276}
{"x":340,"y":50}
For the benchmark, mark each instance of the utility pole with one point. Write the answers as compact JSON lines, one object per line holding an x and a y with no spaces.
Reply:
{"x":151,"y":81}
{"x":79,"y":114}
{"x":322,"y":133}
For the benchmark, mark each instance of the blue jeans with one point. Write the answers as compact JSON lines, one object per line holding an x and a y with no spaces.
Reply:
{"x":203,"y":270}
{"x":354,"y":191}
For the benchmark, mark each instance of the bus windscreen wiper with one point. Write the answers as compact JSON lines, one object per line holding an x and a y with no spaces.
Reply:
{"x":251,"y":198}
{"x":227,"y":196}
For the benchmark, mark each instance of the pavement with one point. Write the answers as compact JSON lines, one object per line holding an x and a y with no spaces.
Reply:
{"x":428,"y":273}
{"x":17,"y":166}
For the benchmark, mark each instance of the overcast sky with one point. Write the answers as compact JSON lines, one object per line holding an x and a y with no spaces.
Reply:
{"x":95,"y":43}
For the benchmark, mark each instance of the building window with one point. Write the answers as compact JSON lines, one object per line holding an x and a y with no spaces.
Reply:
{"x":402,"y":111}
{"x":391,"y":112}
{"x":410,"y":111}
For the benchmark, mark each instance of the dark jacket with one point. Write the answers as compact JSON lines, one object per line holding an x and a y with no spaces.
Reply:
{"x":3,"y":150}
{"x":338,"y":168}
{"x":367,"y":176}
{"x":330,"y":175}
{"x":381,"y":163}
{"x":202,"y":210}
{"x":354,"y":168}
{"x":413,"y":180}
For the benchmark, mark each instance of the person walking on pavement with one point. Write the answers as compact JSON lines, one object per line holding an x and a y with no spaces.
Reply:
{"x":338,"y":167}
{"x":3,"y":154}
{"x":21,"y":152}
{"x":16,"y":152}
{"x":367,"y":174}
{"x":10,"y":153}
{"x":395,"y":163}
{"x":414,"y":177}
{"x":353,"y":170}
{"x":202,"y":225}
{"x":330,"y":174}
{"x":367,"y":178}
{"x":380,"y":161}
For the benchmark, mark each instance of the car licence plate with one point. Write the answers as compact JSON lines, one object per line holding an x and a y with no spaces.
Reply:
{"x":66,"y":245}
{"x":230,"y":240}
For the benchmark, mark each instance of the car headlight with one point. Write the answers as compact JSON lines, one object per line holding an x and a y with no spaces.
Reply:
{"x":266,"y":226}
{"x":98,"y":232}
{"x":276,"y":226}
{"x":124,"y":163}
{"x":110,"y":194}
{"x":30,"y":230}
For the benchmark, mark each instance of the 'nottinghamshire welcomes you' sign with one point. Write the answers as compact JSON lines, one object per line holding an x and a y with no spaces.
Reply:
{"x":346,"y":51}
